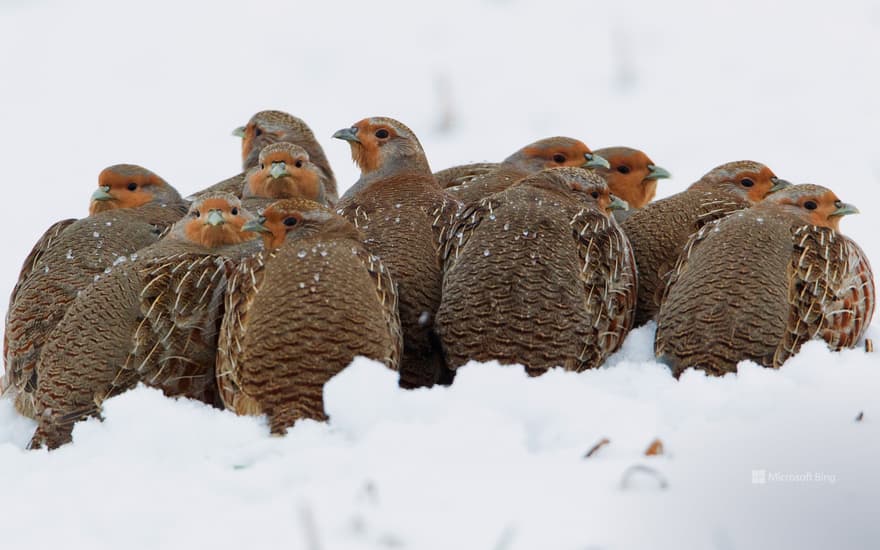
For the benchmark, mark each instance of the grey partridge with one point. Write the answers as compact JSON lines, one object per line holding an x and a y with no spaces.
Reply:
{"x":546,"y":153}
{"x":266,"y":128}
{"x":539,"y":274}
{"x":759,"y":283}
{"x":396,"y":204}
{"x":332,"y":298}
{"x":659,"y":231}
{"x":130,"y":209}
{"x":153,"y":318}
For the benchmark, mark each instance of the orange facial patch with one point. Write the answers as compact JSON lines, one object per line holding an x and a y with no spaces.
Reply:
{"x":604,"y":200}
{"x":816,"y":209}
{"x":826,"y":204}
{"x":762,"y":185}
{"x":301,"y":180}
{"x":366,"y":153}
{"x":626,"y":178}
{"x":199,"y":231}
{"x":247,"y":142}
{"x":255,"y":137}
{"x":127,"y":190}
{"x":274,"y":222}
{"x":553,"y":156}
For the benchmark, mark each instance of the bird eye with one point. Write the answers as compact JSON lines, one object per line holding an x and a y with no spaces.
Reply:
{"x":810,"y":205}
{"x":131,"y":186}
{"x":235,"y":211}
{"x":746,"y":182}
{"x":291,"y":221}
{"x":299,"y":164}
{"x":595,"y":194}
{"x":257,"y":132}
{"x":382,"y":133}
{"x":262,"y":166}
{"x":196,"y":213}
{"x":559,"y":158}
{"x":623,"y":169}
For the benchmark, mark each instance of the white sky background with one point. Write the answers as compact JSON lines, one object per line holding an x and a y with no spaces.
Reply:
{"x":793,"y":84}
{"x":88,"y":84}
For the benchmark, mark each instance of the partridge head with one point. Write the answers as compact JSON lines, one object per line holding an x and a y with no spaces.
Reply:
{"x":214,"y":220}
{"x":382,"y":147}
{"x":295,"y":217}
{"x":632,"y":175}
{"x":554,"y":152}
{"x":746,"y":180}
{"x":129,"y":186}
{"x":811,"y":204}
{"x":285,"y":171}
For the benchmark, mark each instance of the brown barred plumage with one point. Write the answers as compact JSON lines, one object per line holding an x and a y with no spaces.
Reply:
{"x":298,"y":315}
{"x":153,"y":318}
{"x":463,"y":173}
{"x":758,"y":284}
{"x":539,"y":274}
{"x":399,"y":208}
{"x":68,"y":257}
{"x":659,"y":231}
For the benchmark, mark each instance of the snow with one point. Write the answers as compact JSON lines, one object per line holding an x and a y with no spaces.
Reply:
{"x":497,"y":460}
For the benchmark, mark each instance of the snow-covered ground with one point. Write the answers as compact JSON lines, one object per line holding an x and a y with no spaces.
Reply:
{"x":497,"y":460}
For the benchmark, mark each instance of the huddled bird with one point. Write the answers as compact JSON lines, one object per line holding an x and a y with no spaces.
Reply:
{"x":540,"y":275}
{"x":659,"y":231}
{"x":551,"y":152}
{"x":758,"y":284}
{"x":153,"y":318}
{"x":396,"y":204}
{"x":300,"y":311}
{"x":129,"y":210}
{"x":266,"y":128}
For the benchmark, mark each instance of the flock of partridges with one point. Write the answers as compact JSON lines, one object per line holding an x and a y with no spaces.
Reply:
{"x":254,"y":292}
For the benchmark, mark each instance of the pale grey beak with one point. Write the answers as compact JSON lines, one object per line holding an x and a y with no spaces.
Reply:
{"x":278,"y":169}
{"x":594,"y":160}
{"x":102,"y":194}
{"x":656,"y":173}
{"x":215,"y":217}
{"x":843,"y":209}
{"x":256,"y":225}
{"x":348,"y":134}
{"x":778,"y":184}
{"x":239,"y":132}
{"x":618,"y":204}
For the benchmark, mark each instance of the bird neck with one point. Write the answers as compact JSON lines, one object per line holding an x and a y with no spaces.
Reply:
{"x":408,"y":167}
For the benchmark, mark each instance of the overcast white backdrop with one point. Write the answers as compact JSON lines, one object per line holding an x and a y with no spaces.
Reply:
{"x":793,"y":84}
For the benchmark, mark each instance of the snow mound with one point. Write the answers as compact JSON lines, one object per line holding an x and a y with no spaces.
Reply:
{"x":763,"y":458}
